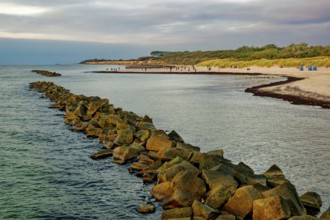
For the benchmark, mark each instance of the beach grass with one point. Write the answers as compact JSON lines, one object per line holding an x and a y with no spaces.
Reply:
{"x":322,"y":61}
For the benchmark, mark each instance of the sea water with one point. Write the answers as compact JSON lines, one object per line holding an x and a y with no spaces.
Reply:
{"x":46,"y":171}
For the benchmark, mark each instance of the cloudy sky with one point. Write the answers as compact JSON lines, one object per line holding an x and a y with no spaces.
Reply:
{"x":65,"y":31}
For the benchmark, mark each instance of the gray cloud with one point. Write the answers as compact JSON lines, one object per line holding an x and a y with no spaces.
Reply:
{"x":208,"y":24}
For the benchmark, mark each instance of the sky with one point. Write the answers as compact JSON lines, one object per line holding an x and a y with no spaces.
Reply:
{"x":69,"y":31}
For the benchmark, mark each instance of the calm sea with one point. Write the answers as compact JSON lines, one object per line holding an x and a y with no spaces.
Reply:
{"x":46,"y":172}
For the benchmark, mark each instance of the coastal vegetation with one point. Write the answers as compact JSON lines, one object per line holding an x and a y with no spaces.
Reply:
{"x":245,"y":53}
{"x":266,"y":56}
{"x":217,"y":188}
{"x":288,"y":62}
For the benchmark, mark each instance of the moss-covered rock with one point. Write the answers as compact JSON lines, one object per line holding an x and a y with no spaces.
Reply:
{"x":215,"y":178}
{"x":159,"y":141}
{"x":241,"y":203}
{"x":271,"y":208}
{"x":288,"y":192}
{"x":125,"y":153}
{"x":178,"y":213}
{"x":217,"y":196}
{"x":204,"y":211}
{"x":162,"y":190}
{"x":125,"y":136}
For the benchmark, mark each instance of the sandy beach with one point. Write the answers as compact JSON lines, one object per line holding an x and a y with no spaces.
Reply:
{"x":303,"y":87}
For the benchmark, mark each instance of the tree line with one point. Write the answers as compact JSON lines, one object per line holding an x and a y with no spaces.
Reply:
{"x":244,"y":53}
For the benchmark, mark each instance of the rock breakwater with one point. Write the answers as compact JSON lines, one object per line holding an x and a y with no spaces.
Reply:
{"x":46,"y":73}
{"x":189,"y":184}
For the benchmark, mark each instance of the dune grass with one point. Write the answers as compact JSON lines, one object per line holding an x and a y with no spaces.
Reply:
{"x":288,"y":62}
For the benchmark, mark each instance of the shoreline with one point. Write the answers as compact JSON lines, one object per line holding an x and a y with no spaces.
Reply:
{"x":166,"y":72}
{"x":293,"y":99}
{"x":217,"y":187}
{"x":300,"y":88}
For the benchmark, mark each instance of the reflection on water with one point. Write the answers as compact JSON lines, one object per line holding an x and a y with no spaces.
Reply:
{"x":46,"y":171}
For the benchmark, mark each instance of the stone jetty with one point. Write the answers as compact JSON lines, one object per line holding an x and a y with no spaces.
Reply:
{"x":46,"y":73}
{"x":188,"y":183}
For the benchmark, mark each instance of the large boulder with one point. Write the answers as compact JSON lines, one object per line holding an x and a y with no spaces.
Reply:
{"x":241,"y":203}
{"x":146,"y":126}
{"x":206,"y":161}
{"x":76,"y":123}
{"x":169,"y":154}
{"x":217,"y":196}
{"x":185,"y":192}
{"x":215,"y":178}
{"x":204,"y":211}
{"x":153,"y":154}
{"x":275,"y":176}
{"x":188,"y":180}
{"x":96,"y":105}
{"x":169,"y":164}
{"x":225,"y":167}
{"x":145,"y":159}
{"x":159,"y":141}
{"x":253,"y":179}
{"x":130,"y":117}
{"x":107,"y":109}
{"x":110,"y":137}
{"x":138,"y":166}
{"x":69,"y":115}
{"x":312,"y":202}
{"x":125,"y":136}
{"x":81,"y":109}
{"x":169,"y":169}
{"x":173,"y":135}
{"x":137,"y":146}
{"x":149,"y":177}
{"x":241,"y":173}
{"x":122,"y":125}
{"x":143,"y":135}
{"x":187,"y":147}
{"x":146,"y":118}
{"x":125,"y":153}
{"x":226,"y":216}
{"x":179,"y":198}
{"x":271,"y":208}
{"x":109,"y":121}
{"x":216,"y":152}
{"x":92,"y":131}
{"x":178,"y":213}
{"x":162,"y":190}
{"x":153,"y":167}
{"x":288,"y":192}
{"x":101,"y":154}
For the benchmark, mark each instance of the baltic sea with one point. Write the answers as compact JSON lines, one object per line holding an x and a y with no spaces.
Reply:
{"x":46,"y":172}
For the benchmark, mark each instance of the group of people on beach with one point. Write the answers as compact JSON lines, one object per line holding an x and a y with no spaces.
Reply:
{"x":113,"y":69}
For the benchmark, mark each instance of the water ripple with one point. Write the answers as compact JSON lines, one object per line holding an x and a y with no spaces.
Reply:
{"x":46,"y":172}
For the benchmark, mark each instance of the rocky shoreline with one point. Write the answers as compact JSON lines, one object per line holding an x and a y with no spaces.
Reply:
{"x":189,"y":184}
{"x":46,"y":73}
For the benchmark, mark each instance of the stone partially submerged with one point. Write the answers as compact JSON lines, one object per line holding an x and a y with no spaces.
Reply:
{"x":241,"y":203}
{"x":188,"y":183}
{"x":159,"y":141}
{"x":271,"y":208}
{"x":312,"y":202}
{"x":288,"y":192}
